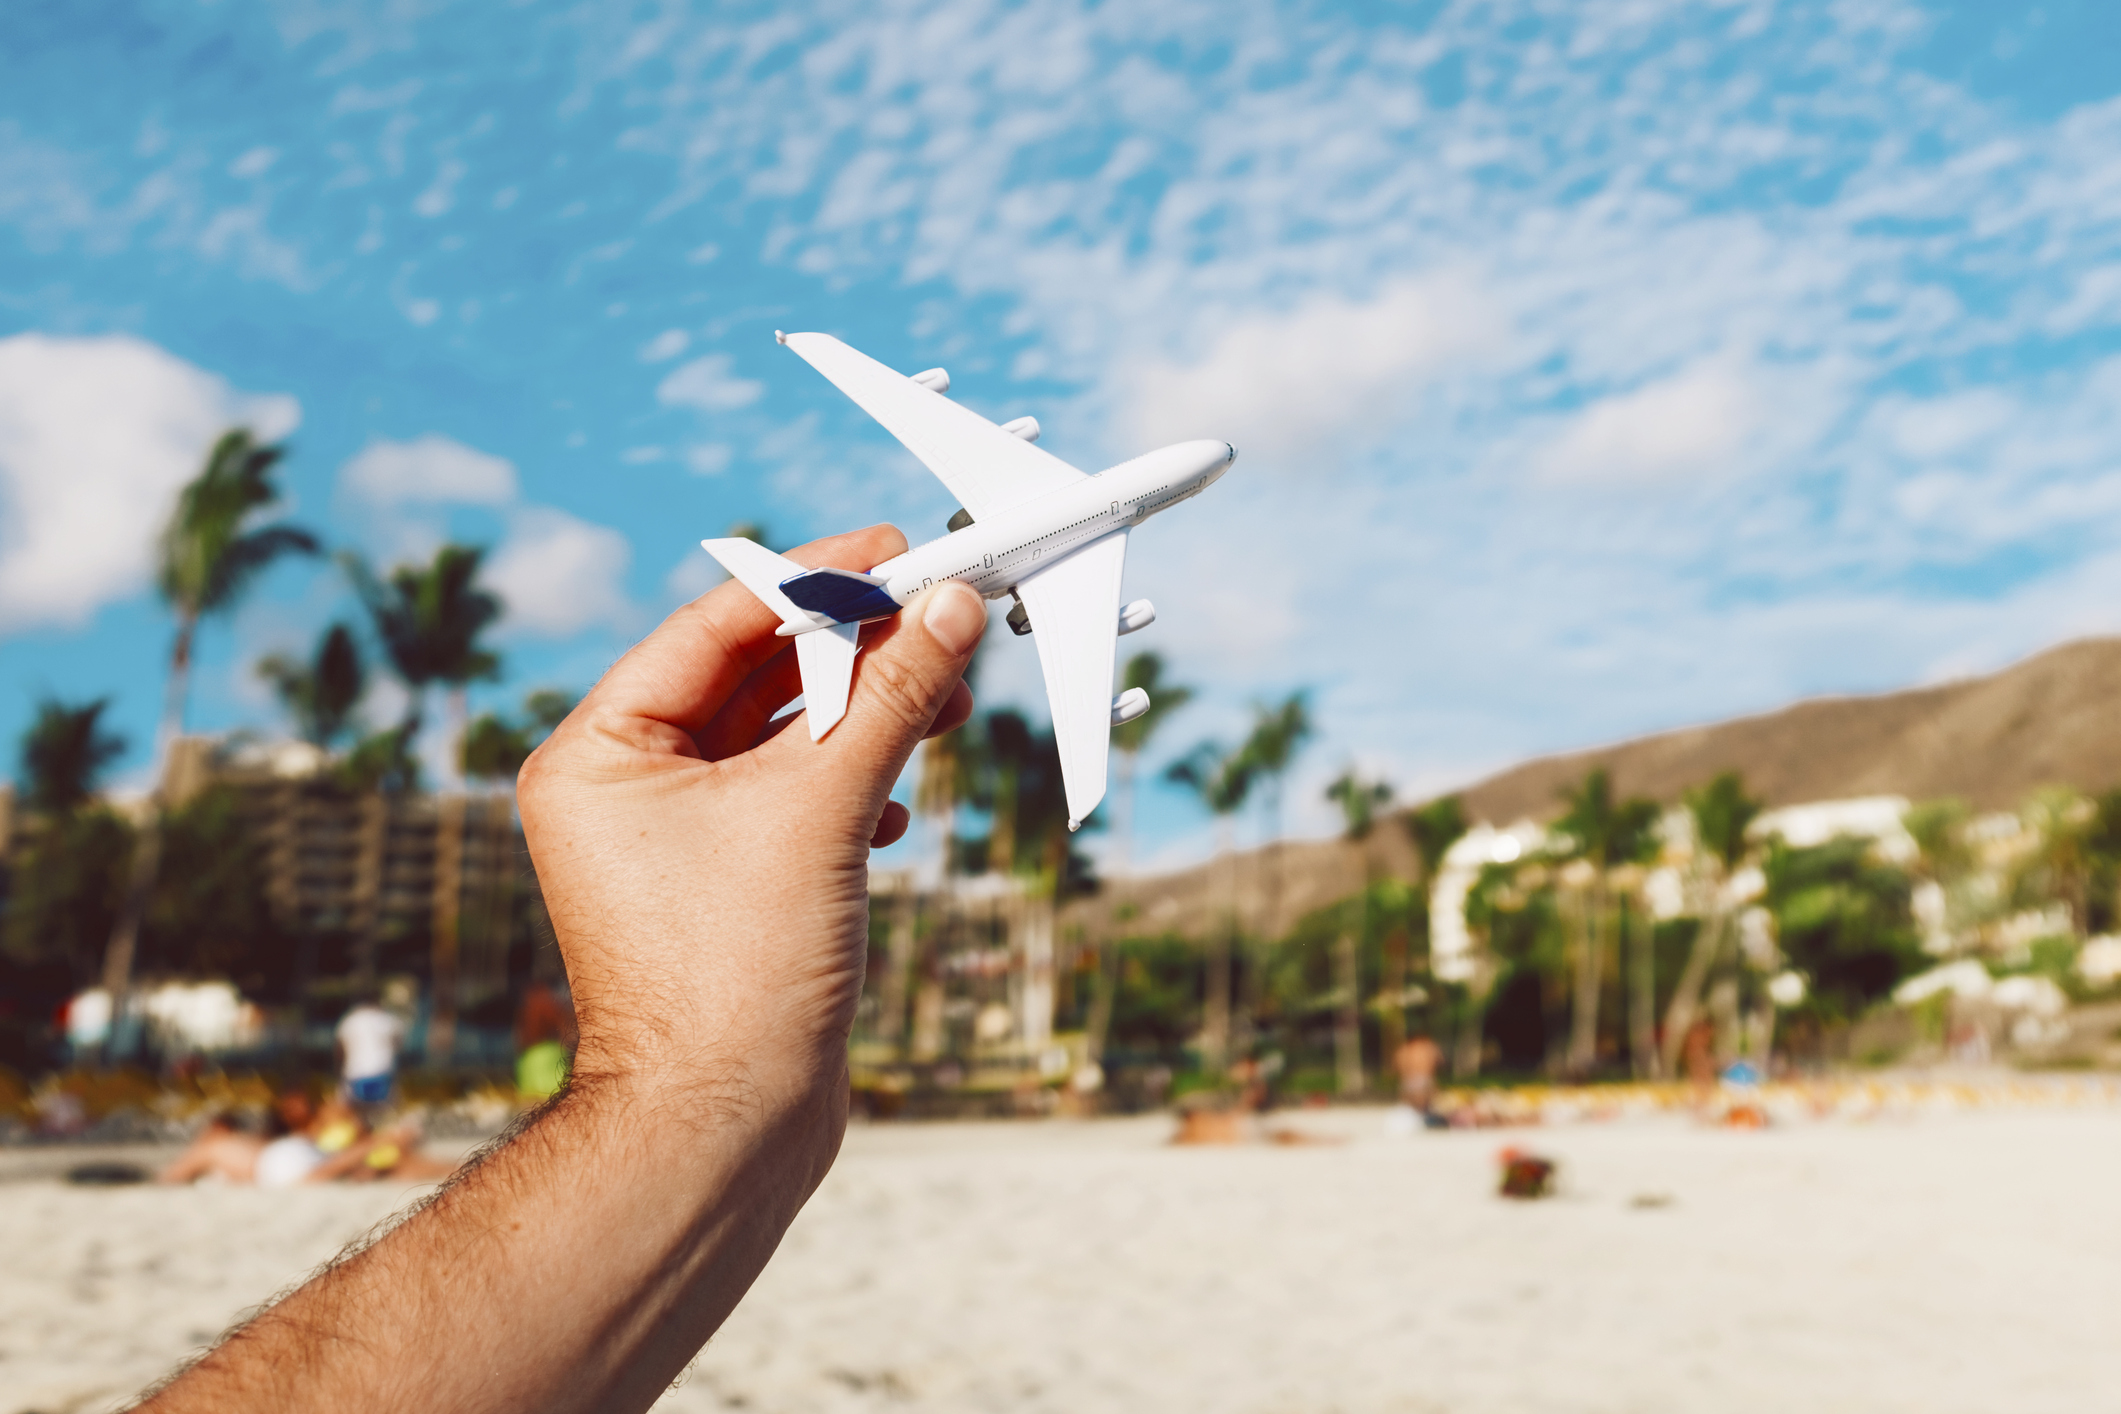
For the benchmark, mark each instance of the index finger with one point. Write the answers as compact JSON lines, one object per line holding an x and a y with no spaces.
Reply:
{"x":682,"y":673}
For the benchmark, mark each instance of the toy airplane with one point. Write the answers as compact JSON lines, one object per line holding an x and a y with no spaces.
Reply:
{"x":1031,"y":526}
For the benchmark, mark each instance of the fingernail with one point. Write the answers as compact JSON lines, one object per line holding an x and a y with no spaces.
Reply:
{"x":956,"y":616}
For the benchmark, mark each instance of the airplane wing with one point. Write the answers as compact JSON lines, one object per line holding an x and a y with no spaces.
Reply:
{"x":1074,"y":607}
{"x":987,"y":469}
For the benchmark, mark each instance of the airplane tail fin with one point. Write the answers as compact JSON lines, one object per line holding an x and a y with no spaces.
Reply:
{"x":824,"y":650}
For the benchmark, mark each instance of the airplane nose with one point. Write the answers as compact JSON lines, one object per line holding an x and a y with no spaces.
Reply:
{"x":1229,"y":453}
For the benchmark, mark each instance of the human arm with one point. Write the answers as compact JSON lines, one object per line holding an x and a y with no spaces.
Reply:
{"x":711,"y":898}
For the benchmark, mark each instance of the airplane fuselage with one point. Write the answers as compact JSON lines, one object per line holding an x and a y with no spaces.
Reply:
{"x":993,"y":555}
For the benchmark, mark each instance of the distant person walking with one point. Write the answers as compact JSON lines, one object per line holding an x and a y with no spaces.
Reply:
{"x":1417,"y":1060}
{"x":1698,"y":1054}
{"x":368,"y":1038}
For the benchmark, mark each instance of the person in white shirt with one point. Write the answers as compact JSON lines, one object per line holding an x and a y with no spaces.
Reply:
{"x":368,"y":1052}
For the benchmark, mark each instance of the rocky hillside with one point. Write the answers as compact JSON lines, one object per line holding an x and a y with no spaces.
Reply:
{"x":2053,"y":719}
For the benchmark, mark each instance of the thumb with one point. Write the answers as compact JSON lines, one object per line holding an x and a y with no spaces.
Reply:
{"x":904,"y":677}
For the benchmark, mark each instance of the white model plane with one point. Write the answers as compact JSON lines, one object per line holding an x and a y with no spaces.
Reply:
{"x":1030,"y":525}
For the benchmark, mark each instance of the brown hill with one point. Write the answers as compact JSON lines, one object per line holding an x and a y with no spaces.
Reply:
{"x":2053,"y":719}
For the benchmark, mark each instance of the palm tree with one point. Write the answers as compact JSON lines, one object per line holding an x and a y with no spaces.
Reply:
{"x":948,"y":765}
{"x":495,"y":747}
{"x":1145,"y":671}
{"x":1222,"y":780}
{"x":208,"y":555}
{"x":1602,"y":833}
{"x":1945,"y":861}
{"x":1722,"y":814}
{"x":1359,"y":802}
{"x":71,"y":868}
{"x":1278,"y":733}
{"x":2059,"y":867}
{"x":63,"y":754}
{"x":1433,"y":828}
{"x":322,"y":693}
{"x":429,"y":620}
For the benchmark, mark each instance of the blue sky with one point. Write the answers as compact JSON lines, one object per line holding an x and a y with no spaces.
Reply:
{"x":1597,"y":368}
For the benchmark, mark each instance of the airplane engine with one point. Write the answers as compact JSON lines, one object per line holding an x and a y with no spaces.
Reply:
{"x":1139,"y":614}
{"x":1129,"y":705}
{"x":935,"y":380}
{"x":1024,"y":427}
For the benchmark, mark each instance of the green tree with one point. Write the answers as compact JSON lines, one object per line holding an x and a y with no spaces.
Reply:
{"x":1145,"y":671}
{"x":429,"y":619}
{"x":1027,"y":803}
{"x":212,"y":914}
{"x":322,"y":693}
{"x":1278,"y":735}
{"x":64,"y":754}
{"x":1359,"y":801}
{"x":209,"y":553}
{"x":382,"y":761}
{"x":69,"y":879}
{"x":1843,"y":919}
{"x":2059,"y":867}
{"x":1432,"y":828}
{"x":496,"y":746}
{"x":1722,"y":813}
{"x":1602,"y":832}
{"x":1221,"y":780}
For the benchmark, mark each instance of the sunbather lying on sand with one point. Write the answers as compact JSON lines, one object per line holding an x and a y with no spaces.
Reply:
{"x":315,"y":1145}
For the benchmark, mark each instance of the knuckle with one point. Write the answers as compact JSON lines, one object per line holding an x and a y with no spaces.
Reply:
{"x":900,"y":688}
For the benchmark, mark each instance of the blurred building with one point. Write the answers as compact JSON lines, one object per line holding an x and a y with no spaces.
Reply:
{"x":438,"y":887}
{"x":366,"y":884}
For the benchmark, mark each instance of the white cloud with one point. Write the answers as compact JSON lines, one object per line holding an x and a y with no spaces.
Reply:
{"x":692,"y":576}
{"x":441,"y":194}
{"x":1695,"y":424}
{"x":96,"y":437}
{"x":708,"y":458}
{"x":666,"y":345}
{"x":559,"y":574}
{"x":254,"y":163}
{"x":1287,"y":387}
{"x":427,"y":470}
{"x":707,"y":384}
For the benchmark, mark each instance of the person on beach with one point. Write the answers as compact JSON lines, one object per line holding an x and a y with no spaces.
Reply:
{"x":706,"y":872}
{"x":1416,"y":1060}
{"x":367,"y":1041}
{"x":312,"y":1145}
{"x":544,"y":1035}
{"x":1698,"y":1058}
{"x":220,"y":1150}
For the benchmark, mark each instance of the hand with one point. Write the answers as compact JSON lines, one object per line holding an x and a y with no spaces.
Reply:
{"x":708,"y":883}
{"x":707,"y":876}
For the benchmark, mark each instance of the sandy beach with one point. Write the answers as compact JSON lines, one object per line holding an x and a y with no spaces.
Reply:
{"x":1942,"y":1263}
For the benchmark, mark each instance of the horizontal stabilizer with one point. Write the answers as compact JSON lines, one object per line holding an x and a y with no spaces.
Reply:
{"x":824,"y":650}
{"x":761,"y":571}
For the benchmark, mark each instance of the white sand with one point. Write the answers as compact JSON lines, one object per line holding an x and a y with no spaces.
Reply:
{"x":1943,"y":1264}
